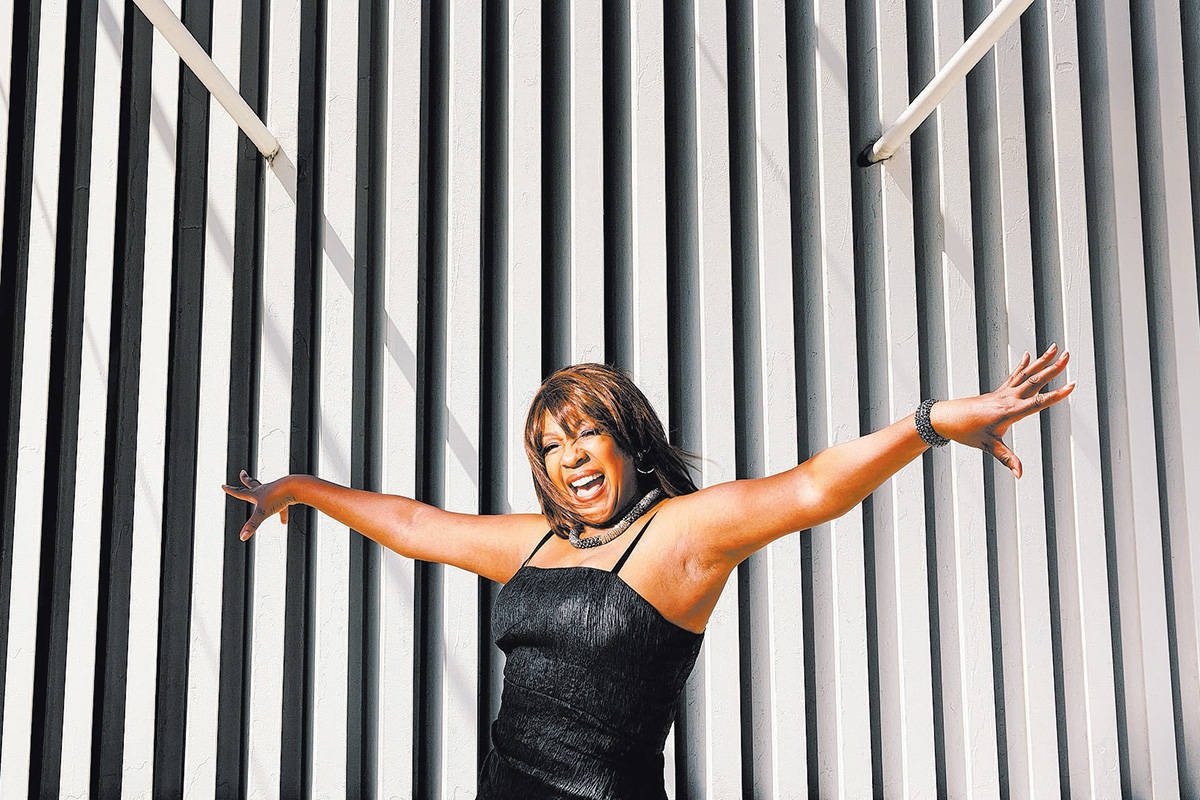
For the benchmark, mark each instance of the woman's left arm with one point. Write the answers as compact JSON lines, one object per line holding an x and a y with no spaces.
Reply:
{"x":728,"y":522}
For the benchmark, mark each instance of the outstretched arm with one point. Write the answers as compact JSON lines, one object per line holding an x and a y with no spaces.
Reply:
{"x":728,"y":522}
{"x":491,"y":546}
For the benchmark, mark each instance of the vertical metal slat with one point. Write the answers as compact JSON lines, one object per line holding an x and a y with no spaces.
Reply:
{"x":264,"y":716}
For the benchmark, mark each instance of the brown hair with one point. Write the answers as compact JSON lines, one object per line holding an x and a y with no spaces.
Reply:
{"x":604,"y":395}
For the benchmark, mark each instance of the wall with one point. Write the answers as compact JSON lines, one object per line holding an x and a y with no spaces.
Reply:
{"x":468,"y":200}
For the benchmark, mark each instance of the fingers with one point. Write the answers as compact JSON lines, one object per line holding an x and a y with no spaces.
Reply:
{"x":1039,"y":378}
{"x":250,"y":527}
{"x":1044,"y":400}
{"x":1024,"y":369}
{"x":252,"y":524}
{"x":247,"y":494}
{"x":1045,"y":358}
{"x":1018,"y":374}
{"x":1006,"y":457}
{"x":255,"y":520}
{"x":240,"y":494}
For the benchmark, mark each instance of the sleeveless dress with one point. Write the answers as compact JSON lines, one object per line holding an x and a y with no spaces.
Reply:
{"x":591,"y":684}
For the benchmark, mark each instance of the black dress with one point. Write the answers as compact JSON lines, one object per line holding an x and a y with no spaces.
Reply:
{"x":591,"y":683}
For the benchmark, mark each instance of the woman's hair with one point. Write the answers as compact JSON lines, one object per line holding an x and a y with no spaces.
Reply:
{"x":604,"y":395}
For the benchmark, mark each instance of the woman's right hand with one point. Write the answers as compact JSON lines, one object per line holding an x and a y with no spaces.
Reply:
{"x":268,"y":498}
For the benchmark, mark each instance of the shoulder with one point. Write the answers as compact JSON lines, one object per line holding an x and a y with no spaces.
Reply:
{"x":515,"y":535}
{"x":723,"y":524}
{"x":670,"y":543}
{"x":670,"y":572}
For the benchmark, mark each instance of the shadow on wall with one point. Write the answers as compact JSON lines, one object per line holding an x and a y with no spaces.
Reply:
{"x":402,"y":353}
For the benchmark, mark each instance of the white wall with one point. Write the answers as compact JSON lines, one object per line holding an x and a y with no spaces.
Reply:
{"x":466,"y":201}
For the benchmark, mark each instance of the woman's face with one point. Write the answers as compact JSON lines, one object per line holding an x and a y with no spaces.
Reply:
{"x":594,"y":477}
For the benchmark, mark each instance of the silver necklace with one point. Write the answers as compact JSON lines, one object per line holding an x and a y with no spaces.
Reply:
{"x":639,"y":508}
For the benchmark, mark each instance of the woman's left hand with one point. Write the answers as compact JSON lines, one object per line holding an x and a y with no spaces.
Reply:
{"x":982,"y":421}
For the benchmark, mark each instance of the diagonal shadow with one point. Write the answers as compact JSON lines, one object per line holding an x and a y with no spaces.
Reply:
{"x":402,"y":353}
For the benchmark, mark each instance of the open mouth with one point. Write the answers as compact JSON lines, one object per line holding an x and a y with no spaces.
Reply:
{"x":586,"y":487}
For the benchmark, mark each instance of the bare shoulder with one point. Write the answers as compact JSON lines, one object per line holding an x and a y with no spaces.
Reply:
{"x":671,"y":573}
{"x":725,"y":523}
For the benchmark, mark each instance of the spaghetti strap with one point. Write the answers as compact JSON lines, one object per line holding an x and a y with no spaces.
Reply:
{"x":539,"y":547}
{"x":633,"y":544}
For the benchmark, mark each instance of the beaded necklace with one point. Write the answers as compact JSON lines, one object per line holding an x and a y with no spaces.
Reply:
{"x":639,"y":508}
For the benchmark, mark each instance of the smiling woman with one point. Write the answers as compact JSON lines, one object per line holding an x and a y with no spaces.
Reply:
{"x":597,"y":656}
{"x":598,"y":410}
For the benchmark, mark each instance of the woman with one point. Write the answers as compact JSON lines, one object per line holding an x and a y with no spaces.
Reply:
{"x":599,"y":636}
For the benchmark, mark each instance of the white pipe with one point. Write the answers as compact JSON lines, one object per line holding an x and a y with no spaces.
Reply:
{"x":180,"y":38}
{"x":1000,"y":20}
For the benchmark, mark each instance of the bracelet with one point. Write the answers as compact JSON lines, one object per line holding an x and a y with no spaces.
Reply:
{"x":925,"y":429}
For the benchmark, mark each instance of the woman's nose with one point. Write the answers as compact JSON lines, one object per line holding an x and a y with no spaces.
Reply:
{"x":573,"y":454}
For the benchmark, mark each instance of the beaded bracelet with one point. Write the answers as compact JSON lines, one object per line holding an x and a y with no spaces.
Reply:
{"x":925,"y":429}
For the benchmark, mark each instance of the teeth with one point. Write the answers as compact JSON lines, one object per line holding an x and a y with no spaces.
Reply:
{"x":586,"y":480}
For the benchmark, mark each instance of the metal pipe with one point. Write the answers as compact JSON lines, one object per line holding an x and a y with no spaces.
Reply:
{"x":973,"y":49}
{"x":180,"y":38}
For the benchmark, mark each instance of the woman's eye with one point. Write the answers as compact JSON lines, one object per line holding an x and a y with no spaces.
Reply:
{"x":590,"y":432}
{"x":547,"y":448}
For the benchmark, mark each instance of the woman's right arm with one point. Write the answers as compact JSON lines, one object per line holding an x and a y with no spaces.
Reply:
{"x":491,"y":546}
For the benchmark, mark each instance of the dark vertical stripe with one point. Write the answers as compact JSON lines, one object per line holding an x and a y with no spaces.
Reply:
{"x":431,"y":414}
{"x":370,"y":223}
{"x":927,"y":224}
{"x":929,"y":173}
{"x":747,"y":315}
{"x":802,"y":187}
{"x":494,"y":342}
{"x":1044,"y":251}
{"x":556,"y":185}
{"x":987,"y":229}
{"x":987,"y":237}
{"x":241,"y":443}
{"x":1111,"y":378}
{"x":871,"y":311}
{"x":683,"y":321}
{"x":683,"y":253}
{"x":66,"y":325}
{"x":808,"y":625}
{"x":295,"y":779}
{"x":183,"y":413}
{"x":618,"y":186}
{"x":754,"y":652}
{"x":14,"y":276}
{"x":991,"y":330}
{"x":1164,"y":375}
{"x":124,"y":368}
{"x":809,"y":312}
{"x":430,"y":107}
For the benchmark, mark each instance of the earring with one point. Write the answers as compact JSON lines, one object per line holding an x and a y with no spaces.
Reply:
{"x":641,"y":459}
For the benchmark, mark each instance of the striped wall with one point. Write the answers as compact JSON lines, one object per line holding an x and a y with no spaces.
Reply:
{"x":466,"y":200}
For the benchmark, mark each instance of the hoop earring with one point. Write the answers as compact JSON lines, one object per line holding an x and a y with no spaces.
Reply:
{"x":641,"y":459}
